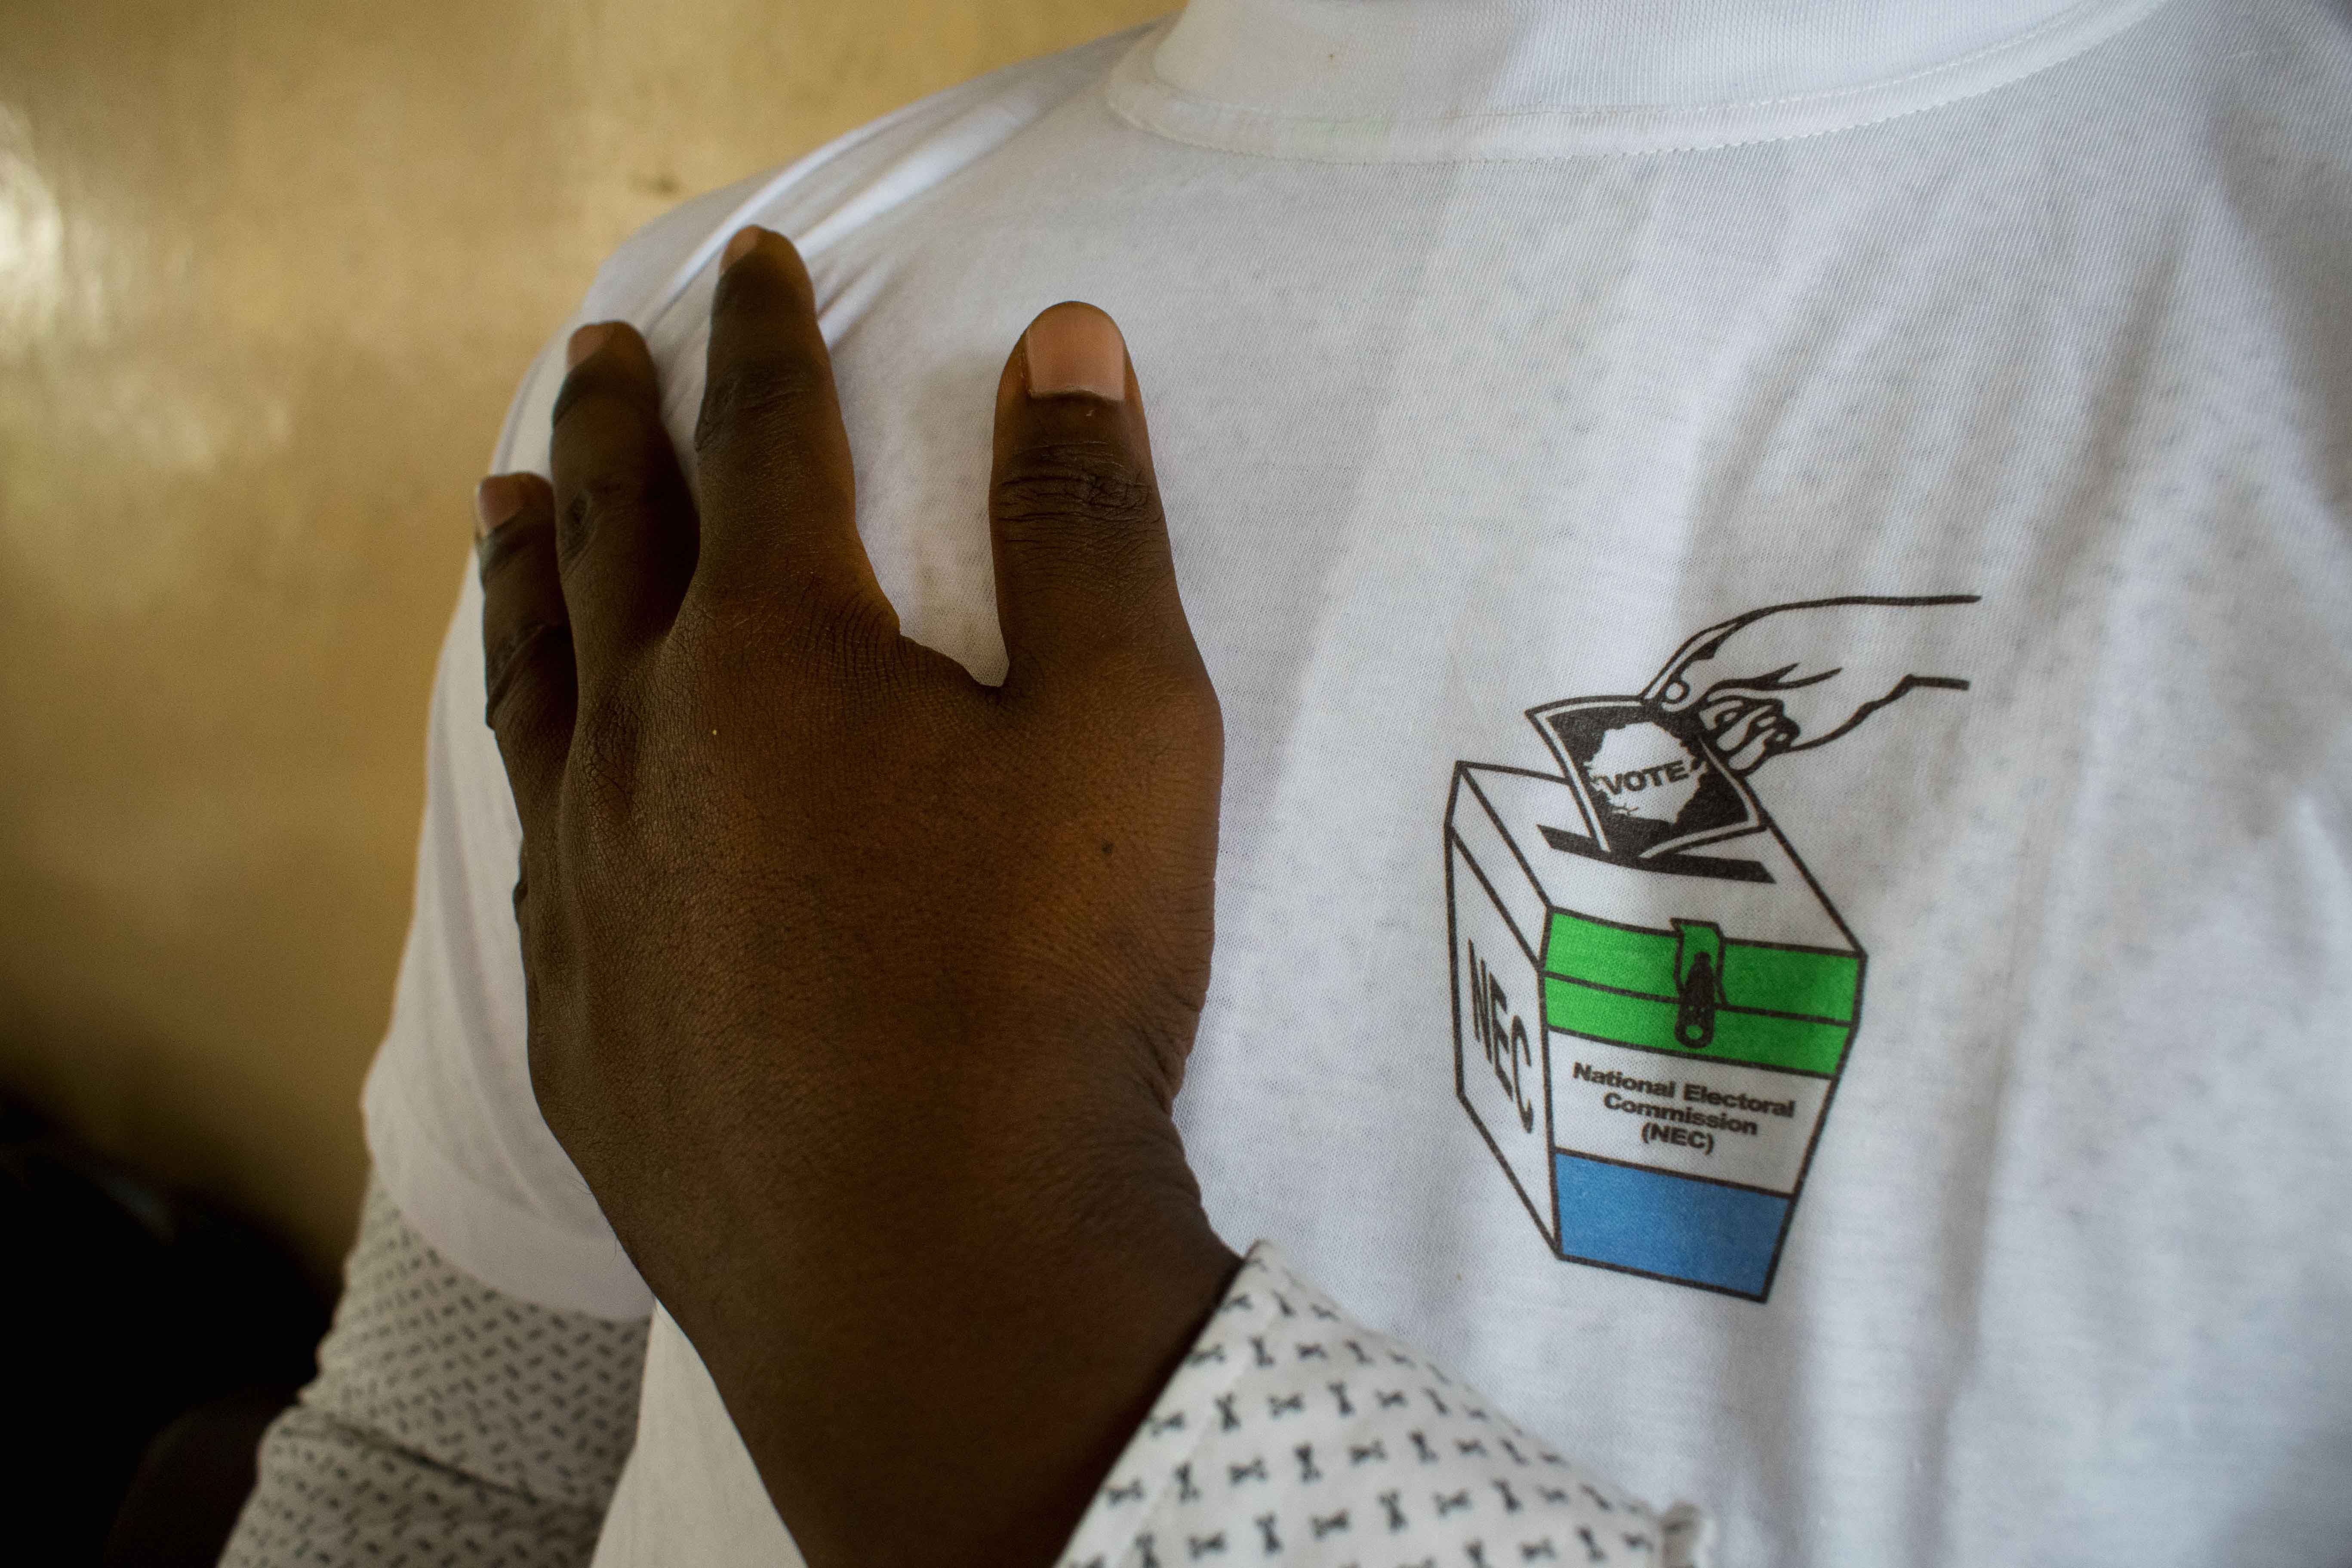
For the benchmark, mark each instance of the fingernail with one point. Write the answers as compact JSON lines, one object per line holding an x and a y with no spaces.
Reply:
{"x":585,"y":341}
{"x":1075,"y":347}
{"x":746,"y":240}
{"x":495,"y":499}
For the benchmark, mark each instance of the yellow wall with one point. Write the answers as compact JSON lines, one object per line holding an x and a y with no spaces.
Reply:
{"x":268,"y":269}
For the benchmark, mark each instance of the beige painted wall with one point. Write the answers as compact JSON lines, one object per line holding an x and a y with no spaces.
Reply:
{"x":268,"y":269}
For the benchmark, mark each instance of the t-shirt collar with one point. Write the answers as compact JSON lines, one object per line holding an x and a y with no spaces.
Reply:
{"x":1369,"y":81}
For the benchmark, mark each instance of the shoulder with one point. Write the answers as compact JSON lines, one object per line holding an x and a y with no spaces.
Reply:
{"x":852,"y":180}
{"x":855,"y":179}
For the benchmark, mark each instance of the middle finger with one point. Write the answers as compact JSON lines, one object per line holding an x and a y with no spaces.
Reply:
{"x":778,"y":496}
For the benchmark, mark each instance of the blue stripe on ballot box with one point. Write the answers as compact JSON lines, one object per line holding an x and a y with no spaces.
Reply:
{"x":1670,"y":1226}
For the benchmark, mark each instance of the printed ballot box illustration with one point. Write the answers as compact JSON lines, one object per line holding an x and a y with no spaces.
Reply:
{"x":1652,"y":999}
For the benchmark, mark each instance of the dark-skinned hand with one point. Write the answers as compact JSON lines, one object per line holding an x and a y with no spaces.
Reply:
{"x":860,"y":991}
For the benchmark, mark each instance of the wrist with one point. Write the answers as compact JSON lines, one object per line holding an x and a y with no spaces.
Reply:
{"x":945,"y":1364}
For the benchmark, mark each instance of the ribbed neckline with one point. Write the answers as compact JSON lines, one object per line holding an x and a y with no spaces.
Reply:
{"x":1444,"y":81}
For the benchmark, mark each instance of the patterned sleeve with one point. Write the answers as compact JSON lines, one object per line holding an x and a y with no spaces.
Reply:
{"x":1292,"y":1431}
{"x":450,"y":1424}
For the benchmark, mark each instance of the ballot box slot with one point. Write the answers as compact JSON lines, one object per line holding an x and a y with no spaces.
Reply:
{"x":1669,"y":865}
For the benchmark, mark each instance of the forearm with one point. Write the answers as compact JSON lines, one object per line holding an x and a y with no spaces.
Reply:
{"x":447,"y":1421}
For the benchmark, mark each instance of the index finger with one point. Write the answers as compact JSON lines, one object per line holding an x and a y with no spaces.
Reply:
{"x":779,"y":497}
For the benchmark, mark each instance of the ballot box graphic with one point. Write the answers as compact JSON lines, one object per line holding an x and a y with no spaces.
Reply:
{"x":1647,"y":1029}
{"x":1652,"y":996}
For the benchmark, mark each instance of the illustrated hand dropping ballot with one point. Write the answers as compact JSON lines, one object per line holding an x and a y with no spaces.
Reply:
{"x":1652,"y":997}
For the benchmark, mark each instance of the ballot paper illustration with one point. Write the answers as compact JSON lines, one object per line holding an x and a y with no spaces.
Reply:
{"x":1653,"y":996}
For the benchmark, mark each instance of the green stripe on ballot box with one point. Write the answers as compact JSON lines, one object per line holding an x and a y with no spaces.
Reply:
{"x":1799,"y":1044}
{"x":1649,"y":1046}
{"x":1801,"y":981}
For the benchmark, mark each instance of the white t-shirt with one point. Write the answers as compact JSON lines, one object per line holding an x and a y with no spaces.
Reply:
{"x":1881,"y":1071}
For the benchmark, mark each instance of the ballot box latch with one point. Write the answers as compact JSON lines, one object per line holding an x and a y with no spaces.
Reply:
{"x":1699,"y":982}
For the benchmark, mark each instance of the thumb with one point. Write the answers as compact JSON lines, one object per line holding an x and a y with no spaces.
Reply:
{"x":1083,"y":568}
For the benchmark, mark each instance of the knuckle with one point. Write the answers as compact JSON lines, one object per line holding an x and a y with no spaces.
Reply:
{"x":509,"y":542}
{"x":505,"y":664}
{"x":1180,"y":707}
{"x":855,"y":647}
{"x":597,"y":500}
{"x":1139,"y":699}
{"x":604,"y":759}
{"x":605,"y":835}
{"x":755,"y":392}
{"x":1046,"y":489}
{"x":840,"y":649}
{"x":1192,"y":704}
